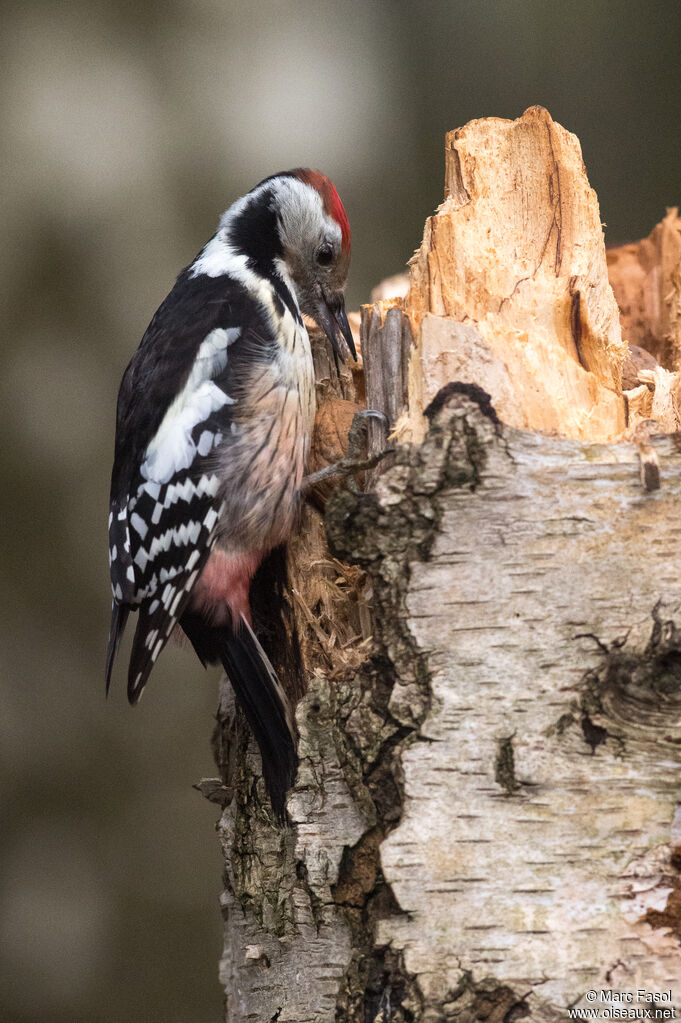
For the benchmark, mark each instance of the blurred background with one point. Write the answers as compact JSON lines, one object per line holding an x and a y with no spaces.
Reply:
{"x":127,"y":128}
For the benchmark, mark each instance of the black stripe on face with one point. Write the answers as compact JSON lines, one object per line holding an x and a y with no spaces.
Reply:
{"x":255,"y":233}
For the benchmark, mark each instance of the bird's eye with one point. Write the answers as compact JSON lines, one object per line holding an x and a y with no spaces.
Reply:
{"x":325,"y":255}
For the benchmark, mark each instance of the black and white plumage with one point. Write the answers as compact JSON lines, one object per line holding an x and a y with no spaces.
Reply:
{"x":214,"y":418}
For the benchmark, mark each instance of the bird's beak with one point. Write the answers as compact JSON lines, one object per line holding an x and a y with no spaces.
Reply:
{"x":333,"y":320}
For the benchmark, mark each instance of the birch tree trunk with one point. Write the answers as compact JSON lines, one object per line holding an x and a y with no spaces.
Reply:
{"x":485,"y":647}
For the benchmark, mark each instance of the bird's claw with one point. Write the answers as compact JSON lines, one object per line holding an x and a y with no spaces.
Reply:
{"x":357,"y":458}
{"x":358,"y":436}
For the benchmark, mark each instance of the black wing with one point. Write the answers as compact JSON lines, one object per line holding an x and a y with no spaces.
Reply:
{"x":174,"y":410}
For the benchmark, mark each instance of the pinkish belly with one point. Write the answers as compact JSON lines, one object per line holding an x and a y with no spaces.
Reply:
{"x":221,"y":591}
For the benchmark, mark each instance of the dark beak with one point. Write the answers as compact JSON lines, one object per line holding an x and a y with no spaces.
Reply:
{"x":333,"y":320}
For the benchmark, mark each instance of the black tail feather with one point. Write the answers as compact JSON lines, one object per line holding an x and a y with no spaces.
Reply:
{"x":119,"y":616}
{"x":260,"y":696}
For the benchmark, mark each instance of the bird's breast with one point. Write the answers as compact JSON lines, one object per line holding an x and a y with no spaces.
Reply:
{"x":263,"y":461}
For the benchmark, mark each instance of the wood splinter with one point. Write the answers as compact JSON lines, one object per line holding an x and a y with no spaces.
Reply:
{"x":649,"y":462}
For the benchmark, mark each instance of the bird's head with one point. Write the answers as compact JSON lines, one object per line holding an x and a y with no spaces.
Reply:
{"x":315,"y":236}
{"x":294,"y":224}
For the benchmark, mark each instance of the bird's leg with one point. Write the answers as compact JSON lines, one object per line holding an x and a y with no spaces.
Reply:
{"x":356,"y":459}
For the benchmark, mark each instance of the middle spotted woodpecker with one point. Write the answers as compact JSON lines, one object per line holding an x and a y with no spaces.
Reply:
{"x":213,"y":426}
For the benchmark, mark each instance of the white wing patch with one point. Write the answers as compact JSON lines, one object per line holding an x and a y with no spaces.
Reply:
{"x":172,"y":448}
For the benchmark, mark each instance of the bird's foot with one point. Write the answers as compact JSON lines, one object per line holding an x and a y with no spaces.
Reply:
{"x":357,"y":458}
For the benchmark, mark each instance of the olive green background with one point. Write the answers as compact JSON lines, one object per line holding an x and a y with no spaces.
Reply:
{"x":126,"y":128}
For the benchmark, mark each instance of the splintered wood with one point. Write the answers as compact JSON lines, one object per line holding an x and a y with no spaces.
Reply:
{"x":510,"y":290}
{"x":646,"y":279}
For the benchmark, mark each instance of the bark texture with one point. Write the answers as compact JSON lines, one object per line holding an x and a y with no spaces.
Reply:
{"x":541,"y":786}
{"x":484,"y":810}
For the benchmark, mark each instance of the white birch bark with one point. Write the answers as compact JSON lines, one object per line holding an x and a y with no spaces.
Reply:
{"x":535,"y":841}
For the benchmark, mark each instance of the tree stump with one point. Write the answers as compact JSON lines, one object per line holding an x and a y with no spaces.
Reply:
{"x":486,"y":656}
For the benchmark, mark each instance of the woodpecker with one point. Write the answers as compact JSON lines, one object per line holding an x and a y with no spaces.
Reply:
{"x":213,"y":426}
